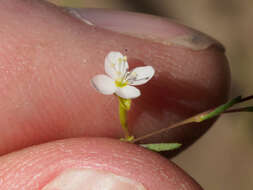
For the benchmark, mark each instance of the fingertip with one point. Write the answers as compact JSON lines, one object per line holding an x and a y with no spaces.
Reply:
{"x":67,"y":161}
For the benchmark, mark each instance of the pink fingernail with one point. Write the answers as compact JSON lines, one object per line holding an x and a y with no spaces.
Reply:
{"x":76,"y":179}
{"x":145,"y":26}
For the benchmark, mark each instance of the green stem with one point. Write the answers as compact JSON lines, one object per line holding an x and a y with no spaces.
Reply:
{"x":236,"y":110}
{"x":217,"y":111}
{"x":202,"y":116}
{"x":189,"y":120}
{"x":124,"y":107}
{"x":123,"y":120}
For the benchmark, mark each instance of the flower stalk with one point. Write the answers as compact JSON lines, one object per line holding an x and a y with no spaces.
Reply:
{"x":124,"y":107}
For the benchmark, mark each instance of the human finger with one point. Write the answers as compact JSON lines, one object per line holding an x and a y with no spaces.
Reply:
{"x":90,"y":163}
{"x":49,"y":58}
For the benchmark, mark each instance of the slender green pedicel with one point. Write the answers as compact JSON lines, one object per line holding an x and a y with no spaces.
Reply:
{"x":124,"y":107}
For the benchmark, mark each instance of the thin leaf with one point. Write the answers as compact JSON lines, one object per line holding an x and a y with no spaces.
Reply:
{"x":244,"y":109}
{"x":247,"y":98}
{"x":248,"y":109}
{"x":158,"y":147}
{"x":217,"y":111}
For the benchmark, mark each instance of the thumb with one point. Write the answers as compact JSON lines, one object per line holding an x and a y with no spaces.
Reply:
{"x":90,"y":163}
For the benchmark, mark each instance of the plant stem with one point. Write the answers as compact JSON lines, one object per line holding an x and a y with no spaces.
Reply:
{"x":203,"y":116}
{"x":246,"y":99}
{"x":189,"y":120}
{"x":124,"y":106}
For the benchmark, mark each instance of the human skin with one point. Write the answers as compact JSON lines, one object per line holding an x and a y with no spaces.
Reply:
{"x":47,"y":58}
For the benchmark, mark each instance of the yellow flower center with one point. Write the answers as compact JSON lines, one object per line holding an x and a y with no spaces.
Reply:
{"x":120,"y":83}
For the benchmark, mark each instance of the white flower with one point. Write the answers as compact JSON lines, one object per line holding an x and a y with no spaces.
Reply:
{"x":120,"y":80}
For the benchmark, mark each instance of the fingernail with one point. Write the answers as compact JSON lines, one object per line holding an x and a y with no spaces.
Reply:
{"x":76,"y":179}
{"x":145,"y":26}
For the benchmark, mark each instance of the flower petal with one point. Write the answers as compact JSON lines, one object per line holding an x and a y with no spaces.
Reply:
{"x":128,"y":92}
{"x":104,"y":84}
{"x":115,"y":65}
{"x":140,"y":75}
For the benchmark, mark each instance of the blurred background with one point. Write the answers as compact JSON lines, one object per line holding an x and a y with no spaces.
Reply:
{"x":222,"y":158}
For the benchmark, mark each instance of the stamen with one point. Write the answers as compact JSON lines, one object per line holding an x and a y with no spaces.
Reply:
{"x":124,"y":64}
{"x":113,"y":65}
{"x":120,"y":64}
{"x":132,"y":75}
{"x":145,"y":78}
{"x":125,"y":75}
{"x":130,"y":81}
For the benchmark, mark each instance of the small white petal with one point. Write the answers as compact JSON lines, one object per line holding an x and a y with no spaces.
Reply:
{"x":141,"y":75}
{"x":128,"y":92}
{"x":104,"y":84}
{"x":115,"y":65}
